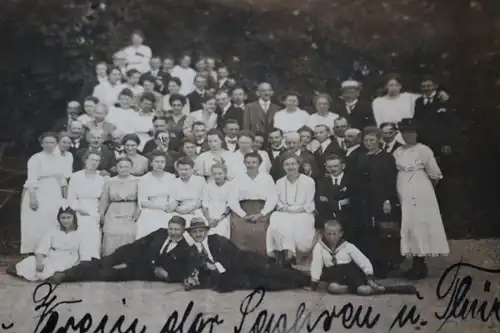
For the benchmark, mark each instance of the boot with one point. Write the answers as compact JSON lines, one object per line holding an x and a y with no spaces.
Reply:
{"x":280,"y":258}
{"x":418,"y":270}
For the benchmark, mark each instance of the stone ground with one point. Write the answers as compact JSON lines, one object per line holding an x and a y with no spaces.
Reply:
{"x":152,"y":303}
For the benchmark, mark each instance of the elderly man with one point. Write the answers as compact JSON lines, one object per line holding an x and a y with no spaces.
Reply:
{"x":100,"y":123}
{"x":73,"y":110}
{"x":96,"y":139}
{"x":159,"y":256}
{"x":116,"y":144}
{"x":77,"y":135}
{"x":357,"y":111}
{"x":308,"y":164}
{"x":219,"y":265}
{"x":258,"y":116}
{"x":389,"y":133}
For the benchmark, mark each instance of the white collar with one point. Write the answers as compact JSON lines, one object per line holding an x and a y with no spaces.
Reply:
{"x":224,"y":110}
{"x":241,"y":106}
{"x":351,"y":149}
{"x":200,"y":91}
{"x":431,"y":96}
{"x":325,"y":144}
{"x":390,"y":144}
{"x":263,"y":102}
{"x":297,"y":152}
{"x":353,"y":103}
{"x":339,"y":177}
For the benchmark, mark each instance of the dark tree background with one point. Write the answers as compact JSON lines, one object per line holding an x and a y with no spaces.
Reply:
{"x":48,"y":46}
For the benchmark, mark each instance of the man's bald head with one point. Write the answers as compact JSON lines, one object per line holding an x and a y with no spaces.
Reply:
{"x":265,"y":91}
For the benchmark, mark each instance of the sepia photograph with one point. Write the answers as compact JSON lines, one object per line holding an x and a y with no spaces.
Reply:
{"x":250,"y":166}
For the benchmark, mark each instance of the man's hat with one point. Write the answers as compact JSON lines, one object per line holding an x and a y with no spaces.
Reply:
{"x":350,"y":84}
{"x":196,"y":223}
{"x":407,"y":124}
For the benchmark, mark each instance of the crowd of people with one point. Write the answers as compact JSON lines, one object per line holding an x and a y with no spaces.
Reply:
{"x":161,"y":171}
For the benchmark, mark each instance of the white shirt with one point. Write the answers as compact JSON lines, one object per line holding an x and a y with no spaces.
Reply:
{"x":186,"y":75}
{"x":125,"y":120}
{"x":107,"y":93}
{"x":351,"y":149}
{"x":264,"y":105}
{"x":322,"y":256}
{"x":85,"y":118}
{"x":211,"y":122}
{"x":316,"y":119}
{"x":389,"y":145}
{"x":393,"y":110}
{"x":206,"y":159}
{"x":239,"y":163}
{"x":260,"y":188}
{"x":143,"y":124}
{"x":138,"y":57}
{"x":337,"y":179}
{"x":231,"y":146}
{"x":350,"y":106}
{"x":341,"y":143}
{"x":290,"y":121}
{"x":297,"y":195}
{"x":224,"y":109}
{"x":171,"y":245}
{"x":204,"y":245}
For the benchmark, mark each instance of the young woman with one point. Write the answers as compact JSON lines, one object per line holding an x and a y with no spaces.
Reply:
{"x":144,"y":119}
{"x":155,"y":196}
{"x":207,"y":114}
{"x":140,"y":163}
{"x":178,"y":122}
{"x":64,"y":145}
{"x":123,"y":115}
{"x":215,"y":201}
{"x":252,"y":200}
{"x":118,"y":208}
{"x":422,"y":231}
{"x":291,"y":226}
{"x":42,"y":193}
{"x":245,"y":146}
{"x":137,"y":54}
{"x":323,"y":115}
{"x":107,"y":91}
{"x":174,"y":87}
{"x":60,"y":248}
{"x":84,"y":192}
{"x":188,"y":148}
{"x":291,"y":118}
{"x":216,"y":154}
{"x":259,"y":141}
{"x":89,"y":105}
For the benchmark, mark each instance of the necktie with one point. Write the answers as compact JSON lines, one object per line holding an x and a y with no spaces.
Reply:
{"x":342,"y":144}
{"x":165,"y":250}
{"x":336,"y":181}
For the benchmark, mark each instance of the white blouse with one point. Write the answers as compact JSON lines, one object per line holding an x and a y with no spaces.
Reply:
{"x":138,"y":57}
{"x":143,"y":124}
{"x":239,"y":163}
{"x":211,"y":122}
{"x":107,"y":93}
{"x":186,"y":75}
{"x":125,"y":120}
{"x":418,"y":157}
{"x":156,"y":190}
{"x":246,"y":188}
{"x":316,"y":119}
{"x":323,"y":256}
{"x":205,"y":161}
{"x":85,"y":118}
{"x":166,"y":105}
{"x":297,"y":195}
{"x":84,"y":191}
{"x":216,"y":197}
{"x":44,"y":165}
{"x":189,"y":191}
{"x":290,"y":121}
{"x":66,"y":245}
{"x":393,"y":110}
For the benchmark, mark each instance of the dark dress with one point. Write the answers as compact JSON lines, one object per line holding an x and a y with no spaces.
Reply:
{"x":138,"y":260}
{"x":244,"y":270}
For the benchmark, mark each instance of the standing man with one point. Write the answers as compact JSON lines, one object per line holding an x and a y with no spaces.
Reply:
{"x":196,"y":97}
{"x":258,"y":116}
{"x":225,"y":110}
{"x":357,"y":111}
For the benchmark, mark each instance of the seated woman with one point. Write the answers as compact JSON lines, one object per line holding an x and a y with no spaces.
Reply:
{"x":345,"y":268}
{"x":216,"y":154}
{"x":187,"y":191}
{"x":219,"y":265}
{"x":215,"y":201}
{"x":252,"y":200}
{"x":118,"y":208}
{"x":60,"y":249}
{"x":155,"y":196}
{"x":291,"y":227}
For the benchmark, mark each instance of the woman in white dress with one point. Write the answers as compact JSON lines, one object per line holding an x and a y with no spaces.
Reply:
{"x":245,"y":146}
{"x":42,"y":193}
{"x":107,"y":91}
{"x":187,"y":191}
{"x":144,"y":119}
{"x":215,"y":200}
{"x":60,"y":248}
{"x":324,"y":114}
{"x":186,"y":74}
{"x":133,"y":80}
{"x":140,"y":164}
{"x":124,"y":116}
{"x":89,"y":105}
{"x":138,"y":55}
{"x":63,"y":146}
{"x":155,"y":196}
{"x":291,"y":118}
{"x":422,"y":230}
{"x":216,"y":154}
{"x":84,"y":193}
{"x":174,"y":87}
{"x":206,"y":115}
{"x":291,"y":226}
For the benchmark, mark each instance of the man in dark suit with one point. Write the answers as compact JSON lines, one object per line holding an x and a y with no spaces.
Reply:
{"x":308,"y":165}
{"x":77,"y":136}
{"x":231,"y":132}
{"x":358,"y":112}
{"x":159,"y":256}
{"x":160,"y":78}
{"x":216,"y":263}
{"x":389,"y":144}
{"x":327,"y":147}
{"x":275,"y":143}
{"x":239,"y":97}
{"x":333,"y":192}
{"x":196,"y":97}
{"x":354,"y":148}
{"x":73,"y":110}
{"x":89,"y":83}
{"x":96,"y":145}
{"x":225,"y":110}
{"x":224,"y":82}
{"x":259,"y":115}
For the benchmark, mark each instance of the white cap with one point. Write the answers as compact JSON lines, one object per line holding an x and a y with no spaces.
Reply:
{"x":350,"y":84}
{"x":353,"y":131}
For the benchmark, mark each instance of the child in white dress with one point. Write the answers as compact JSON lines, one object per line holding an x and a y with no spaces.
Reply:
{"x":215,"y":201}
{"x":61,"y":248}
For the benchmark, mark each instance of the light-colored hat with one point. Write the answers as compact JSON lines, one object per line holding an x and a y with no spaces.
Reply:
{"x":197,"y":222}
{"x":350,"y":84}
{"x":352,"y":131}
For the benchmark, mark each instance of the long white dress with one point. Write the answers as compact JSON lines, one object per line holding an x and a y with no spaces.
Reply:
{"x":291,"y":121}
{"x":46,"y":175}
{"x":62,"y":250}
{"x":422,"y":230}
{"x":292,"y":231}
{"x":216,"y":200}
{"x":84,"y":192}
{"x":158,"y":191}
{"x":206,"y":160}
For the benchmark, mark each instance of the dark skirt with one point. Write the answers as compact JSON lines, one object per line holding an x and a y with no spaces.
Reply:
{"x":246,"y":235}
{"x":345,"y":274}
